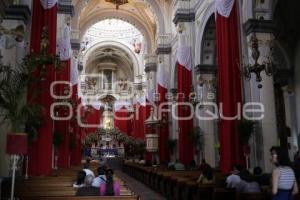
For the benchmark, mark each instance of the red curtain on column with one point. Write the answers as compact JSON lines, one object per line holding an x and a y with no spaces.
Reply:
{"x":164,"y":129}
{"x":138,"y":121}
{"x":40,"y":155}
{"x":184,"y":82}
{"x":122,"y":121}
{"x":63,"y":126}
{"x":229,"y":88}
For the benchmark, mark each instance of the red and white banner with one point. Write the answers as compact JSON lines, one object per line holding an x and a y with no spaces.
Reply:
{"x":184,"y":57}
{"x":224,"y":7}
{"x":48,"y":4}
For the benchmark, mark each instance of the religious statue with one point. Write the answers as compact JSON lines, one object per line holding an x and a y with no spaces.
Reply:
{"x":44,"y":40}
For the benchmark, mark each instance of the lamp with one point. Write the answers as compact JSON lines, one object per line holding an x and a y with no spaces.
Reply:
{"x":117,"y":2}
{"x":257,"y":68}
{"x":16,"y":144}
{"x":193,"y":98}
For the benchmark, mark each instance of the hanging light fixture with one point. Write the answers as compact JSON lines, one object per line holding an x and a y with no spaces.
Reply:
{"x":257,"y":68}
{"x":117,"y":2}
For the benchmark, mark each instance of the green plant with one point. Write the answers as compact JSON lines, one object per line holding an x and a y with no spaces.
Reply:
{"x":15,"y":109}
{"x":58,"y":139}
{"x":246,"y":130}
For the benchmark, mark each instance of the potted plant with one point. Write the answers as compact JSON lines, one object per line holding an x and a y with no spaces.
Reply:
{"x":23,"y":117}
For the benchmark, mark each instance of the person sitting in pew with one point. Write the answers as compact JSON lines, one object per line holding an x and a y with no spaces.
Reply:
{"x":86,"y":169}
{"x":110,"y":187}
{"x":206,"y":176}
{"x":80,"y":179}
{"x":193,"y":165}
{"x":234,"y":179}
{"x":178,"y":166}
{"x":88,"y":189}
{"x":101,"y":177}
{"x":247,"y":183}
{"x":260,"y":178}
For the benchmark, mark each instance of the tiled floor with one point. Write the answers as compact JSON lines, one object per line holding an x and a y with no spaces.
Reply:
{"x":137,"y":187}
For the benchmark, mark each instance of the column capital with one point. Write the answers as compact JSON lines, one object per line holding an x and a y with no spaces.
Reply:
{"x":183,"y":16}
{"x":205,"y":69}
{"x":150,"y":67}
{"x":64,"y":8}
{"x":184,"y":11}
{"x":18,"y":12}
{"x":163,"y":42}
{"x":259,"y":26}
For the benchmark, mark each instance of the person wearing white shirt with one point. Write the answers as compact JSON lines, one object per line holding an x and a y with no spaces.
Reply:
{"x":87,"y":170}
{"x":100,"y":179}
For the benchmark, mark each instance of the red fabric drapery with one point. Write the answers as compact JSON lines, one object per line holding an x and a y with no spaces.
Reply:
{"x":122,"y":121}
{"x":164,"y":129}
{"x":229,"y":88}
{"x":63,"y":126}
{"x":40,"y":154}
{"x":140,"y":116}
{"x":184,"y":82}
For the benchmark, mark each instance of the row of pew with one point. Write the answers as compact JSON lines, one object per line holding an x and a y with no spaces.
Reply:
{"x":60,"y":187}
{"x":182,"y":185}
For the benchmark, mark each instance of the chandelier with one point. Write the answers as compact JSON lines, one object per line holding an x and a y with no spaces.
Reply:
{"x":266,"y":66}
{"x":117,"y":2}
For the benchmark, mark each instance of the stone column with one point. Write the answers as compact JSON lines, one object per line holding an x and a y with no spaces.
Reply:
{"x":263,"y":29}
{"x":206,"y":95}
{"x":184,"y":19}
{"x":150,"y":70}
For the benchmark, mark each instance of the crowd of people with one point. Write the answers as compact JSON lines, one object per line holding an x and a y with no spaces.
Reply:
{"x":282,"y":181}
{"x":103,"y":184}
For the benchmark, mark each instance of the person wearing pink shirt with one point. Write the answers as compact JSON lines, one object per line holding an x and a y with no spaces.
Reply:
{"x":110,"y":188}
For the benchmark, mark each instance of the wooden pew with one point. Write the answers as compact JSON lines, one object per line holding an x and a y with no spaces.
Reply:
{"x":134,"y":197}
{"x":252,"y":196}
{"x":222,"y":193}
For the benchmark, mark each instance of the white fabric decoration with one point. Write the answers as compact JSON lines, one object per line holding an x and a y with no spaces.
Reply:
{"x":120,"y":104}
{"x":64,"y":49}
{"x":74,"y":71}
{"x":150,"y":95}
{"x":162,"y":78}
{"x":48,"y":4}
{"x":64,"y":44}
{"x":140,"y":100}
{"x":224,"y":7}
{"x":184,"y":57}
{"x":96,"y":105}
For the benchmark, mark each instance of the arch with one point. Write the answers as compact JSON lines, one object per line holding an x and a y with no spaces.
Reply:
{"x":160,"y":18}
{"x":134,"y":20}
{"x":137,"y":69}
{"x":205,"y":18}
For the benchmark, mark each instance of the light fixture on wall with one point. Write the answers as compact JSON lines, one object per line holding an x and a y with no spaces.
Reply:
{"x":257,"y":68}
{"x":117,"y":2}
